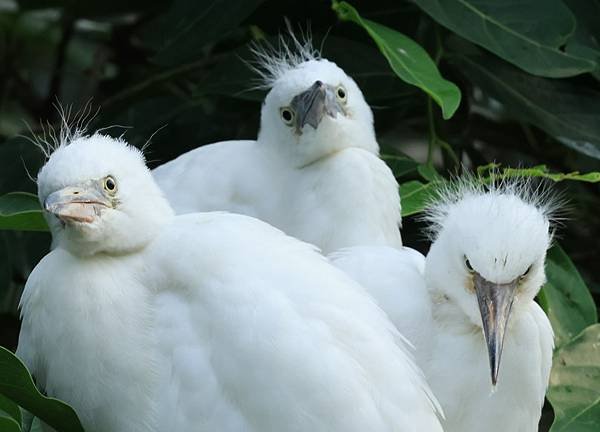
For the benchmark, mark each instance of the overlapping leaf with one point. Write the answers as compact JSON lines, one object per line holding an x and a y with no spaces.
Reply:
{"x":16,"y":384}
{"x":575,"y":384}
{"x":562,"y":109}
{"x":566,"y":298}
{"x":407,"y":59}
{"x":528,"y":33}
{"x":585,"y":42}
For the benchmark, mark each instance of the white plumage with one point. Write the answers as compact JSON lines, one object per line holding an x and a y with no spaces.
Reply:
{"x":144,"y":321}
{"x":495,"y":239}
{"x":313,"y":171}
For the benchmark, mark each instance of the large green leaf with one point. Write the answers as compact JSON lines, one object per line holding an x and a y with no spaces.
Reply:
{"x":568,"y":112}
{"x":574,"y":390}
{"x":528,"y":33}
{"x":407,"y":59}
{"x":21,"y":211}
{"x":16,"y":384}
{"x":586,"y":40}
{"x":182,"y":33}
{"x":9,"y":407}
{"x":8,"y":424}
{"x":566,"y":298}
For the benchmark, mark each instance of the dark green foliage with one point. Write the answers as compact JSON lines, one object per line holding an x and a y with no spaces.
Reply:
{"x":16,"y":387}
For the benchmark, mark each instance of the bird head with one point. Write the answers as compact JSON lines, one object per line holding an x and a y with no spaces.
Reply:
{"x":313,"y":108}
{"x":98,"y":196}
{"x":488,"y":254}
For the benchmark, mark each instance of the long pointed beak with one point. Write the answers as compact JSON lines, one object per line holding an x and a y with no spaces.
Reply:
{"x":495,"y":303}
{"x":77,"y":203}
{"x":311,"y":105}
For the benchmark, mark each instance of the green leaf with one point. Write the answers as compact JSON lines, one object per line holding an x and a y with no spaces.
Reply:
{"x":586,"y":40}
{"x":414,"y":196}
{"x":21,"y":211}
{"x":9,"y":407}
{"x":8,"y":424}
{"x":574,"y":390}
{"x":569,"y":304}
{"x":182,"y":33}
{"x":16,"y":384}
{"x":428,"y":172}
{"x":528,"y":33}
{"x":407,"y":59}
{"x":400,"y":165}
{"x":562,"y":109}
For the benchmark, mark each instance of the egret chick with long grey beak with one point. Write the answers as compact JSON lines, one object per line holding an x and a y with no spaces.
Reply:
{"x":484,"y":344}
{"x":492,"y":354}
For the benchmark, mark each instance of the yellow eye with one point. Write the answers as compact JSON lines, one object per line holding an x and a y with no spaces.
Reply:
{"x":110,"y":185}
{"x":287,"y":115}
{"x":341,"y":93}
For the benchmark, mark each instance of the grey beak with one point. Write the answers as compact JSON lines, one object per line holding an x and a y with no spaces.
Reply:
{"x":495,"y":303}
{"x":77,"y":203}
{"x":311,"y":105}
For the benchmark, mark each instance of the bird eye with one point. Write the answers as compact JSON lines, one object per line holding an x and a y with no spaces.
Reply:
{"x":110,"y":185}
{"x":341,"y":93}
{"x":468,"y":265}
{"x":287,"y":115}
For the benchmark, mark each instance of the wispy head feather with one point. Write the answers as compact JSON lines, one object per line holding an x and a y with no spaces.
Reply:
{"x":531,"y":190}
{"x":72,"y":125}
{"x":271,"y":62}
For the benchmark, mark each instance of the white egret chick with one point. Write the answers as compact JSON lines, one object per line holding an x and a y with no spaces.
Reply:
{"x":313,"y":172}
{"x":483,"y":271}
{"x":146,"y":321}
{"x":475,"y":305}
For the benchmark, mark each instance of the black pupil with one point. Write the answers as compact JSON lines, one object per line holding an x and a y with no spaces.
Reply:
{"x":341,"y":93}
{"x":110,"y":184}
{"x":287,"y":115}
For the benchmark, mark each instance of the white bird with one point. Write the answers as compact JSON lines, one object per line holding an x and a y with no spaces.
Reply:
{"x":313,"y":172}
{"x":146,"y":321}
{"x":483,"y":270}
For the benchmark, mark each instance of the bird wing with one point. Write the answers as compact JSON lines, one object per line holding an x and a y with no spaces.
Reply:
{"x":282,"y":340}
{"x":394,"y":277}
{"x":26,"y":349}
{"x":225,"y":176}
{"x":546,"y":344}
